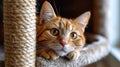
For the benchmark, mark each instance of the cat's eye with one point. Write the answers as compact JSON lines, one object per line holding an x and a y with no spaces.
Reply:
{"x":74,"y":35}
{"x":54,"y":31}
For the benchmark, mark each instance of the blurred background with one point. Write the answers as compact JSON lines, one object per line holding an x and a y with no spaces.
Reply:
{"x":105,"y":20}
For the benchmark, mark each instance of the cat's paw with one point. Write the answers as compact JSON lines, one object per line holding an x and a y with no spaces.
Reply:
{"x":53,"y":55}
{"x":47,"y":54}
{"x":74,"y":55}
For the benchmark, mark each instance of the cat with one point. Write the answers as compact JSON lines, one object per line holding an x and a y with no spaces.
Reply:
{"x":58,"y":36}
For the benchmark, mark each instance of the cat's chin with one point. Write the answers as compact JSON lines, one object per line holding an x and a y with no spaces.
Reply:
{"x":62,"y":53}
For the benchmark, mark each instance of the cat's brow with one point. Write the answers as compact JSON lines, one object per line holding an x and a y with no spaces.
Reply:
{"x":61,"y":27}
{"x":65,"y":26}
{"x":68,"y":26}
{"x":56,"y":25}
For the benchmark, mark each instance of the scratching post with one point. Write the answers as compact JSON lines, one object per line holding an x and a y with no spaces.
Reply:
{"x":19,"y":33}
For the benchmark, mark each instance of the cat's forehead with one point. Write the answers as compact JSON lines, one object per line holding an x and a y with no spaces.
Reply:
{"x":61,"y":22}
{"x":66,"y":24}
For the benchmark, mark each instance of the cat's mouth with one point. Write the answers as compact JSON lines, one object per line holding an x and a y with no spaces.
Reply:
{"x":62,"y":51}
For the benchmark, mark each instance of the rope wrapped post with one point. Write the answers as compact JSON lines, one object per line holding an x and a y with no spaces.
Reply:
{"x":19,"y":33}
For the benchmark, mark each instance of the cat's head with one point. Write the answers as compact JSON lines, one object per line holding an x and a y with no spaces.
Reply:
{"x":60,"y":34}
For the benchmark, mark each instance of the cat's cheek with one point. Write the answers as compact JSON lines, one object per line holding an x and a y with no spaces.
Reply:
{"x":56,"y":47}
{"x":79,"y":43}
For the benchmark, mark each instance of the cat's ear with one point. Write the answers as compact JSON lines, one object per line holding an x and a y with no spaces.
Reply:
{"x":47,"y":12}
{"x":83,"y":19}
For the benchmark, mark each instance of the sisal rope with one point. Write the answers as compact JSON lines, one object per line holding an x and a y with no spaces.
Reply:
{"x":19,"y":33}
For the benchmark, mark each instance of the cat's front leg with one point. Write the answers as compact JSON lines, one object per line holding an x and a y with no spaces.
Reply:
{"x":73,"y":55}
{"x":47,"y":54}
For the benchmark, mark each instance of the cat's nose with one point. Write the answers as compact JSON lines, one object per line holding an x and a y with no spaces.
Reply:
{"x":63,"y":43}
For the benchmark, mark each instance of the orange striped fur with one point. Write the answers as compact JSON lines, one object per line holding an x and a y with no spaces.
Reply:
{"x":57,"y":36}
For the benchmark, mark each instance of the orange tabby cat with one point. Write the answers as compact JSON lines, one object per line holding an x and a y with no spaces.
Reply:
{"x":57,"y":36}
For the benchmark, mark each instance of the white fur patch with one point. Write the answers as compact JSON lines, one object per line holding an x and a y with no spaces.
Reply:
{"x":63,"y":51}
